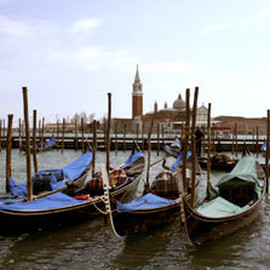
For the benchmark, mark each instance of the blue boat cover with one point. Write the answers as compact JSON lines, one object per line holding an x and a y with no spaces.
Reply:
{"x":50,"y":202}
{"x":178,"y":162}
{"x":176,"y":144}
{"x":174,"y":148}
{"x":132,"y":158}
{"x":148,"y":201}
{"x":17,"y":189}
{"x":70,"y":172}
{"x":263,"y":148}
{"x":49,"y":143}
{"x":77,"y":167}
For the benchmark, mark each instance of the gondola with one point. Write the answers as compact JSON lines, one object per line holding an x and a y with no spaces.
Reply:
{"x":46,"y":182}
{"x":235,"y":204}
{"x":263,"y":149}
{"x":159,"y":206}
{"x":59,"y":208}
{"x":220,"y":162}
{"x":174,"y":148}
{"x":47,"y":145}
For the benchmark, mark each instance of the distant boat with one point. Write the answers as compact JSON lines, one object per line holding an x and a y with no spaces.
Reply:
{"x":47,"y":145}
{"x":263,"y":149}
{"x":219,"y":162}
{"x":174,"y":148}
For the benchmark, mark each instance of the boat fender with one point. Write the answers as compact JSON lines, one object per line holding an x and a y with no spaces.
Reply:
{"x":82,"y":197}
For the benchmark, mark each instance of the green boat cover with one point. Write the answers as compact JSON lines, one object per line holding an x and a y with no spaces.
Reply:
{"x":245,"y":170}
{"x":219,"y":207}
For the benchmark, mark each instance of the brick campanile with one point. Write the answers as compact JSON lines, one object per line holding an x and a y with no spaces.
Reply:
{"x":137,"y":96}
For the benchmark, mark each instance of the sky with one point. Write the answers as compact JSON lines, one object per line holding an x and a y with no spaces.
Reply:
{"x":70,"y":54}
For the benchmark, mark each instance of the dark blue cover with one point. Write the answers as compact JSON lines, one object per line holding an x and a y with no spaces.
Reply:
{"x":17,"y":189}
{"x":263,"y":148}
{"x":148,"y":201}
{"x":132,"y":158}
{"x":179,"y":161}
{"x":77,"y":167}
{"x":50,"y":202}
{"x":49,"y":143}
{"x":70,"y":172}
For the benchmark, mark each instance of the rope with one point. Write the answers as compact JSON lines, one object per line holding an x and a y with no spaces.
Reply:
{"x":99,"y":210}
{"x":106,"y":197}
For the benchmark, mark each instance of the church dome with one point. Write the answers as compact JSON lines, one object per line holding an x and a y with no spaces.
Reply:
{"x":179,"y":103}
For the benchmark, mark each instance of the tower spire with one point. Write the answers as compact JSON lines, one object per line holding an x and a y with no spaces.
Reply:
{"x":137,"y":76}
{"x":137,"y":96}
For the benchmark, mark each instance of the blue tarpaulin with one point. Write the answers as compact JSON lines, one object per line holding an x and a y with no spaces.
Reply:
{"x":70,"y":172}
{"x":51,"y":202}
{"x":77,"y":167}
{"x":148,"y":201}
{"x":263,"y":148}
{"x":179,"y":161}
{"x":49,"y":143}
{"x":132,"y":158}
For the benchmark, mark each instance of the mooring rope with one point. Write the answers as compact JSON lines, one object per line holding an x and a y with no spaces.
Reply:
{"x":106,"y":197}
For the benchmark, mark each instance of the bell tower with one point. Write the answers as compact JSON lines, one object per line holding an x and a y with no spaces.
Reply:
{"x":137,"y":96}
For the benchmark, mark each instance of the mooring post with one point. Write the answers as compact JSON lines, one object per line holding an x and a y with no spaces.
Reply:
{"x":267,"y":152}
{"x":108,"y":132}
{"x":63,"y":135}
{"x":34,"y":141}
{"x":8,"y":151}
{"x":28,"y":151}
{"x":94,"y":147}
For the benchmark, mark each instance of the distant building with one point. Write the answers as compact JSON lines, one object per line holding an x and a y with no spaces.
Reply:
{"x":241,"y":125}
{"x":169,"y":119}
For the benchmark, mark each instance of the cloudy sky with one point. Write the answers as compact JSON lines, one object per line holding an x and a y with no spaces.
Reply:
{"x":70,"y":54}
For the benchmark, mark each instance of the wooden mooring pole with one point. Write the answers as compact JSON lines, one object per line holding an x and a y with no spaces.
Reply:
{"x":34,"y":141}
{"x":115,"y":139}
{"x":267,"y":152}
{"x":94,"y":147}
{"x":108,"y":132}
{"x":147,"y":184}
{"x":193,"y":147}
{"x":63,"y":135}
{"x":82,"y":131}
{"x":0,"y":135}
{"x":209,"y":144}
{"x":186,"y":139}
{"x":8,"y":151}
{"x":28,"y":152}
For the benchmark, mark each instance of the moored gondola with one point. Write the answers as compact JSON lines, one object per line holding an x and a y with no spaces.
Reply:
{"x":159,"y":206}
{"x":220,"y":162}
{"x":236,"y":204}
{"x":47,"y":145}
{"x":59,"y":208}
{"x":48,"y":181}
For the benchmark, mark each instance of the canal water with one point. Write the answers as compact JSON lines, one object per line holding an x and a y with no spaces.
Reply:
{"x":91,"y":244}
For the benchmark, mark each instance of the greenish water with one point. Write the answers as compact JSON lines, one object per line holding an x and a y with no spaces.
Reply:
{"x":91,"y":244}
